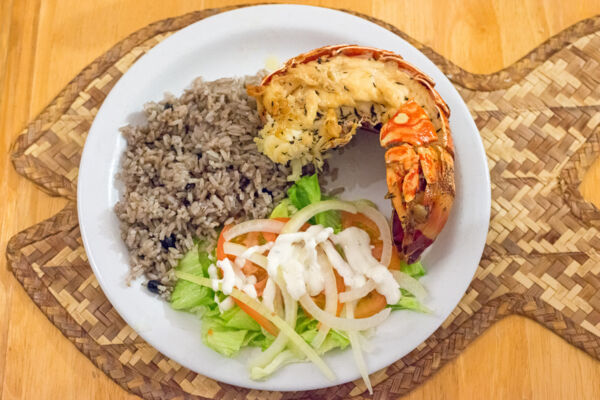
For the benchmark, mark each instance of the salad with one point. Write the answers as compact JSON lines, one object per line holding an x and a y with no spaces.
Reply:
{"x":320,"y":274}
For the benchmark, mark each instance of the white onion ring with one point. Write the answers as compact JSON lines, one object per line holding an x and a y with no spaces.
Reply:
{"x":255,"y":225}
{"x":384,"y":230}
{"x":343,"y":324}
{"x":291,"y":310}
{"x":358,"y":293}
{"x":237,"y":250}
{"x":409,"y":283}
{"x":302,"y":216}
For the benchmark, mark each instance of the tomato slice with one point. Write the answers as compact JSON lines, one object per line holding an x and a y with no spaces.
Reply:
{"x":248,"y":240}
{"x":363,"y":222}
{"x":341,"y":287}
{"x":395,"y":262}
{"x":369,"y":305}
{"x":258,"y":238}
{"x":255,"y":315}
{"x":374,"y":302}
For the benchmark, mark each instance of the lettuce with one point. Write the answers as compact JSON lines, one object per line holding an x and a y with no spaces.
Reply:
{"x":409,"y":302}
{"x":415,"y":270}
{"x":225,"y":332}
{"x":225,"y":341}
{"x":284,"y":209}
{"x":308,"y":328}
{"x":187,"y":296}
{"x":307,"y":191}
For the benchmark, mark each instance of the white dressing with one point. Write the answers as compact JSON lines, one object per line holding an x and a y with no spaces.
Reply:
{"x":232,"y":276}
{"x":228,"y":276}
{"x":296,"y":255}
{"x":356,"y":246}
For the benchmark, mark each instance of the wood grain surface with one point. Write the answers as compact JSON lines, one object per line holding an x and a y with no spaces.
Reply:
{"x":43,"y":44}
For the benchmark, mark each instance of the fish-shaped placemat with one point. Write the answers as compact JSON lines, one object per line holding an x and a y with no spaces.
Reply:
{"x":540,"y":124}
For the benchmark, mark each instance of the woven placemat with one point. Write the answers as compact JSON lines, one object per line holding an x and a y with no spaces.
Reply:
{"x":539,"y":120}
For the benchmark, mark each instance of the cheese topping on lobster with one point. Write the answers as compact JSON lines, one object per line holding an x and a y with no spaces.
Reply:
{"x":319,"y":105}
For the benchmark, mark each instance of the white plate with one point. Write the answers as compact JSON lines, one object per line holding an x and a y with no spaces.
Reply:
{"x":236,"y":43}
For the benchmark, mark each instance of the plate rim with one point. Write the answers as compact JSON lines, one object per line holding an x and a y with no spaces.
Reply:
{"x":85,"y":239}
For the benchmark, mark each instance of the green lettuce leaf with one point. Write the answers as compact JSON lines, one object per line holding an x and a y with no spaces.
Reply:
{"x":236,"y":318}
{"x":415,"y":270}
{"x":284,"y":209}
{"x":187,"y":296}
{"x":307,"y":328}
{"x":307,"y":191}
{"x":225,"y":341}
{"x":409,"y":302}
{"x":228,"y":332}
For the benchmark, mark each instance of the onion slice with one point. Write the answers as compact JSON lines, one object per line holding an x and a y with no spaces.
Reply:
{"x":357,"y":351}
{"x":409,"y":283}
{"x":237,"y":250}
{"x":343,"y":324}
{"x":302,"y":216}
{"x":384,"y":229}
{"x":255,"y":225}
{"x":291,"y":312}
{"x":331,"y":299}
{"x":358,"y":293}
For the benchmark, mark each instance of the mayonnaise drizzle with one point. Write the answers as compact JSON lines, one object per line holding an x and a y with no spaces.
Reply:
{"x":295,"y":256}
{"x":356,"y":246}
{"x":232,"y":276}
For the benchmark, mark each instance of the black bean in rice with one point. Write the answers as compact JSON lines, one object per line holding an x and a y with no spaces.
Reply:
{"x":191,"y":168}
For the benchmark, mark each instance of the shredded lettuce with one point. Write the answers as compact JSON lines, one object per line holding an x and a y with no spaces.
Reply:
{"x":415,"y":270}
{"x":307,"y":191}
{"x":284,"y":209}
{"x":227,"y":333}
{"x":308,"y":328}
{"x":225,"y":341}
{"x":409,"y":302}
{"x":187,"y":296}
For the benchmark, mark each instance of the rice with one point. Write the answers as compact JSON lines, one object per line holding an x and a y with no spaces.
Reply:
{"x":190,"y":169}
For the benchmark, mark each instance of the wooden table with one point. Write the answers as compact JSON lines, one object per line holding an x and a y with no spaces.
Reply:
{"x":43,"y":44}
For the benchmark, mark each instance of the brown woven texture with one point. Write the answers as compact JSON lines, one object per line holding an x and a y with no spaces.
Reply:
{"x":539,"y":120}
